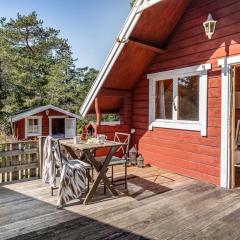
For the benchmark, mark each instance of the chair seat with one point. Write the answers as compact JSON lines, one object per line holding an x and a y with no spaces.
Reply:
{"x":117,"y":161}
{"x":114,"y":161}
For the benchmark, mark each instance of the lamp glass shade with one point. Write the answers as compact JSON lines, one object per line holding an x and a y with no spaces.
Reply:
{"x":209,"y":26}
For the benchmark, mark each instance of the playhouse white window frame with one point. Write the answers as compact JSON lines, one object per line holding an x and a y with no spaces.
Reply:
{"x":27,"y":128}
{"x":201,"y":125}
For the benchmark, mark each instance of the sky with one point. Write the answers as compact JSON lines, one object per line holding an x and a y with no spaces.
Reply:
{"x":90,"y":26}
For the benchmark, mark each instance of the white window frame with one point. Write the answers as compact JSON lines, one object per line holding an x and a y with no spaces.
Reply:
{"x":201,"y":125}
{"x":27,"y":134}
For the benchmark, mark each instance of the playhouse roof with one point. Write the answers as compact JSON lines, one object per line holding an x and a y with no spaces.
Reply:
{"x":33,"y":111}
{"x":143,"y":36}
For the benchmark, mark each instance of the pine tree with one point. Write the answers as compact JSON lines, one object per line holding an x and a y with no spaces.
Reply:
{"x":37,"y":68}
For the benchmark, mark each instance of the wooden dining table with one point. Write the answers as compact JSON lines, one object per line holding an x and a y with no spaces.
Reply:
{"x":101,"y":167}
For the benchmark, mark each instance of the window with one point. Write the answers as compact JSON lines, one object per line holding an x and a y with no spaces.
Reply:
{"x":33,"y":126}
{"x":178,"y":99}
{"x":188,"y":98}
{"x":164,"y":97}
{"x":184,"y":105}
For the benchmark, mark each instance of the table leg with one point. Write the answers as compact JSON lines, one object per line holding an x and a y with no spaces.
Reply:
{"x":71,"y":152}
{"x":97,"y":165}
{"x":101,"y":169}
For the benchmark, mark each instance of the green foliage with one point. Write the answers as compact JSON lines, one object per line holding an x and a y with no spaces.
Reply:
{"x":37,"y":68}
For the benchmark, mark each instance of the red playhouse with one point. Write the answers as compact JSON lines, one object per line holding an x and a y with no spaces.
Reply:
{"x":44,"y":121}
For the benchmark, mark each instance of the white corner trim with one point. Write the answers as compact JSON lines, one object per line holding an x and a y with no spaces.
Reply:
{"x":26,"y":127}
{"x":225,"y":64}
{"x":124,"y":34}
{"x":203,"y":95}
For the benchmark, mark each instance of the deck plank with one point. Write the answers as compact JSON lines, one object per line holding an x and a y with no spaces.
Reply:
{"x":158,"y":205}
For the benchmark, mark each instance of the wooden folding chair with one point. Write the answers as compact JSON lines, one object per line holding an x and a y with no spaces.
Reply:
{"x":120,"y":157}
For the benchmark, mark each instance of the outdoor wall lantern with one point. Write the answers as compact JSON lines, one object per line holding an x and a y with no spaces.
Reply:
{"x":47,"y":112}
{"x":209,"y":26}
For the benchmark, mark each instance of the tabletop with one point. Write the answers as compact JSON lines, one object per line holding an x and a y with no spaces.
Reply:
{"x":90,"y":145}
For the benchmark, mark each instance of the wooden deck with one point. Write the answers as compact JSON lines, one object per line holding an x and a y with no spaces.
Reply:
{"x":159,"y":205}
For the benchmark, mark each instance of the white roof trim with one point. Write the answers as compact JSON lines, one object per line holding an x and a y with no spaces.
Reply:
{"x":41,"y":109}
{"x":115,"y":51}
{"x":148,"y":4}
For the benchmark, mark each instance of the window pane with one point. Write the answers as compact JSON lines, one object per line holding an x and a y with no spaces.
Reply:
{"x":30,"y":122}
{"x":35,"y":122}
{"x":188,"y":98}
{"x":33,"y":126}
{"x":164,"y":99}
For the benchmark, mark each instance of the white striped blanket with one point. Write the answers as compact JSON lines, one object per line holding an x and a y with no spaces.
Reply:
{"x":72,"y":182}
{"x":73,"y":174}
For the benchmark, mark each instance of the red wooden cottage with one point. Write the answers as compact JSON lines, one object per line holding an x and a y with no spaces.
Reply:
{"x":44,"y":121}
{"x":176,"y":85}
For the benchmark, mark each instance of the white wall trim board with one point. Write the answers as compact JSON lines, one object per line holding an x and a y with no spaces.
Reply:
{"x":225,"y":64}
{"x":201,"y":125}
{"x":179,"y":72}
{"x":184,"y":125}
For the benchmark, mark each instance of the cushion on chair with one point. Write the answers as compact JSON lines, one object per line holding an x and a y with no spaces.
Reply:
{"x":117,"y":161}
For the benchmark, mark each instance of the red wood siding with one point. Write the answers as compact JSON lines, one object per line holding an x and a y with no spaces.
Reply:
{"x":126,"y":111}
{"x":20,"y":125}
{"x":186,"y":152}
{"x":109,"y":131}
{"x":19,"y":129}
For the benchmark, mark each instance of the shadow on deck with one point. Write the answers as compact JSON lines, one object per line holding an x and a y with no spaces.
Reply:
{"x":157,"y":205}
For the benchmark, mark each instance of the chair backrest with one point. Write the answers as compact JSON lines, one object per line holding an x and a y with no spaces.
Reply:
{"x":122,"y":138}
{"x":57,"y":152}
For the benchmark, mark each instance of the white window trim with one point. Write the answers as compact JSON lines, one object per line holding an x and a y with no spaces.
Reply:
{"x":27,"y":134}
{"x":201,"y":125}
{"x":226,"y":64}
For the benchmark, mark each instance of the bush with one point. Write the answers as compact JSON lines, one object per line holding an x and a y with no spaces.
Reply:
{"x":5,"y":126}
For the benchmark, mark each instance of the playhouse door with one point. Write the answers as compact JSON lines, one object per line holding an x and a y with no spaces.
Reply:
{"x":70,"y":127}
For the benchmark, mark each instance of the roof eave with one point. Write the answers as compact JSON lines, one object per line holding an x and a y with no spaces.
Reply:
{"x":113,"y":55}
